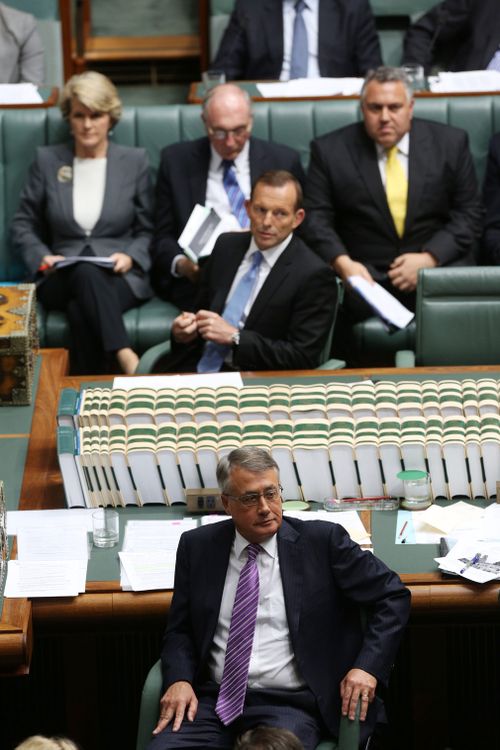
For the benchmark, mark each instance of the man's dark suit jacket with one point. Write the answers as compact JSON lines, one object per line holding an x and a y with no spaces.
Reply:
{"x":325,"y":578}
{"x":456,"y":34}
{"x":347,"y":206}
{"x":252,"y":46}
{"x":491,"y":199}
{"x":289,"y":320}
{"x":182,"y":182}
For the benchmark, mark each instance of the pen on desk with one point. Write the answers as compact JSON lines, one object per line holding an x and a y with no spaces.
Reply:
{"x":472,"y":562}
{"x":403,"y":530}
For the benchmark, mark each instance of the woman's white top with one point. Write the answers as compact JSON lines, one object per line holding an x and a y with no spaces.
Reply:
{"x":89,"y":183}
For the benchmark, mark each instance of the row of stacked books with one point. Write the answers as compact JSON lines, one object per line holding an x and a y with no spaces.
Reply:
{"x":144,"y":446}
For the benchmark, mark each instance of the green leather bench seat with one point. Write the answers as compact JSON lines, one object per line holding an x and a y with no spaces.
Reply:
{"x":292,"y":123}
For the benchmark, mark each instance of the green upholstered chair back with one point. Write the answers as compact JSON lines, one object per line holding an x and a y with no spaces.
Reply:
{"x":292,"y":123}
{"x":458,"y":316}
{"x":150,"y":703}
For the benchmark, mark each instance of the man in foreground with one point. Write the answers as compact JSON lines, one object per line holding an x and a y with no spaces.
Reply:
{"x":265,"y":628}
{"x":266,"y":301}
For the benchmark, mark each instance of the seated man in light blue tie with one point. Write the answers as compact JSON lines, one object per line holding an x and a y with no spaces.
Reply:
{"x":266,"y":301}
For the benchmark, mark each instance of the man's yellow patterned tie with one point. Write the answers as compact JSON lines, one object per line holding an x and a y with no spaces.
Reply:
{"x":396,"y":188}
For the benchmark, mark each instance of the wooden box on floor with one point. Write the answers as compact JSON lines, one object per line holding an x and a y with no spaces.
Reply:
{"x":18,"y":343}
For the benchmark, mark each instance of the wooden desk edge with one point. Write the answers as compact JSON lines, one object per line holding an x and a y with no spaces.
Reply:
{"x":194,"y":98}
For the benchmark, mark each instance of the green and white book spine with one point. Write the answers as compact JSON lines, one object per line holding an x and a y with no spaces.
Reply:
{"x":66,"y":454}
{"x":67,"y":407}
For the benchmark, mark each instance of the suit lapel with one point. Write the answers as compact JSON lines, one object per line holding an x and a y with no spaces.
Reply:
{"x":273,"y":32}
{"x":364,"y":156}
{"x":327,"y":33}
{"x":198,"y":171}
{"x":112,"y":191}
{"x":214,"y":579}
{"x":64,"y":187}
{"x":419,"y":159}
{"x":291,"y":575}
{"x":258,"y":158}
{"x":228,"y":271}
{"x":277,"y":276}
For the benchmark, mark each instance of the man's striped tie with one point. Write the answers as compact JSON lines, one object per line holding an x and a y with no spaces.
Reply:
{"x":234,"y":681}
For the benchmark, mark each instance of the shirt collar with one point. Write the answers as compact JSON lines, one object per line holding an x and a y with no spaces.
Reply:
{"x":239,"y":162}
{"x":403,"y":147}
{"x":272,"y":255}
{"x":270,"y":546}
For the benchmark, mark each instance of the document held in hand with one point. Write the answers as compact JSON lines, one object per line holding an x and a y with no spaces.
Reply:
{"x":202,"y":229}
{"x":382,"y":301}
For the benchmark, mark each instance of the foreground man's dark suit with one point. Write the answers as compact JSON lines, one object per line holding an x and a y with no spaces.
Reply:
{"x":182,"y":182}
{"x":325,"y":578}
{"x":252,"y":46}
{"x":456,"y":34}
{"x":289,"y":320}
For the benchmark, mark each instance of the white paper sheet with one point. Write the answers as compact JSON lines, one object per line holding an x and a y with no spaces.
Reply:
{"x":211,"y":380}
{"x":146,"y":571}
{"x":349,"y":519}
{"x":382,"y":301}
{"x":61,"y":519}
{"x":19,"y":93}
{"x":474,"y":560}
{"x":310,"y":87}
{"x":45,"y":578}
{"x":42,"y":543}
{"x":463,"y":81}
{"x":142,"y":536}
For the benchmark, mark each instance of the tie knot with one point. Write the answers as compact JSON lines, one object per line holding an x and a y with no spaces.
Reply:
{"x":227,"y":164}
{"x":392,"y":152}
{"x":252,"y":551}
{"x":300,"y":5}
{"x":256,"y":259}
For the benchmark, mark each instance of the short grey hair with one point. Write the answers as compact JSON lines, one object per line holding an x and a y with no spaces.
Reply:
{"x":268,"y":738}
{"x":387,"y":74}
{"x":229,"y":88}
{"x":252,"y":459}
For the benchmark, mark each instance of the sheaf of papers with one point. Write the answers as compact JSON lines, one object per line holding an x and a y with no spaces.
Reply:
{"x":19,"y":93}
{"x":211,"y":380}
{"x":310,"y":87}
{"x":44,"y":578}
{"x":382,"y":301}
{"x":469,"y":80}
{"x":460,"y":519}
{"x":349,"y":519}
{"x":202,"y":229}
{"x":94,"y":260}
{"x":146,"y":571}
{"x":477,"y":561}
{"x":50,"y":563}
{"x":147,"y":560}
{"x":47,"y":519}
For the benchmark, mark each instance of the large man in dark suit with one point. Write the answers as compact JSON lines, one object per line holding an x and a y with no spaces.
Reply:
{"x":350,"y":220}
{"x":192,"y":172}
{"x":457,"y":34}
{"x":491,"y":198}
{"x":258,"y":40}
{"x":310,"y":660}
{"x":285,"y":323}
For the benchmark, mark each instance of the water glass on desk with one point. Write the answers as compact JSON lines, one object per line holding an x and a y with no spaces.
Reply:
{"x":105,"y":527}
{"x":417,"y":489}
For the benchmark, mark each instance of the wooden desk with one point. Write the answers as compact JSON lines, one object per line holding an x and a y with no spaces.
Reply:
{"x":196,"y":93}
